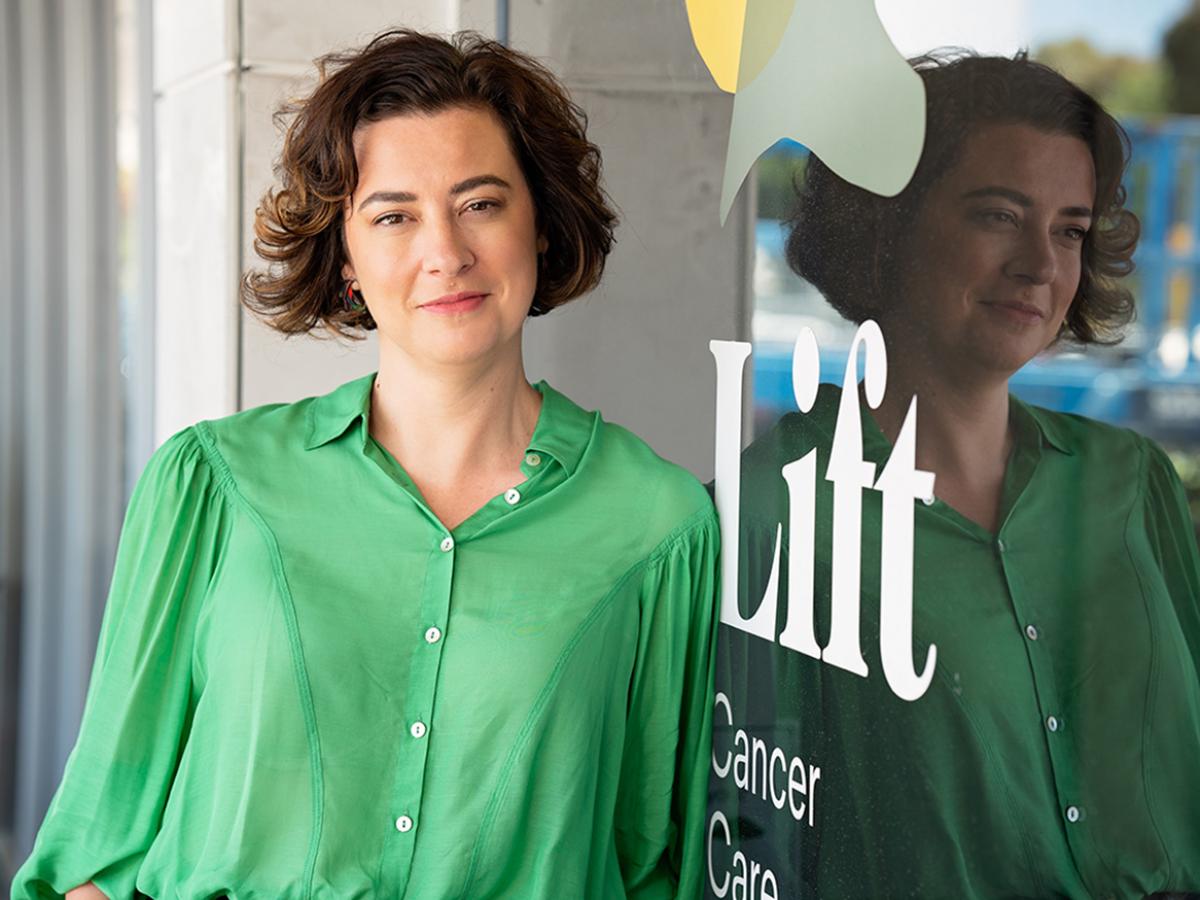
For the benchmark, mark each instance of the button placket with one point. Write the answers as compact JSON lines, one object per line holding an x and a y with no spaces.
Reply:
{"x":1039,"y":652}
{"x":411,"y":755}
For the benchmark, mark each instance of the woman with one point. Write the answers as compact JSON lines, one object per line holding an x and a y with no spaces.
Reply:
{"x":439,"y":633}
{"x":1055,"y":751}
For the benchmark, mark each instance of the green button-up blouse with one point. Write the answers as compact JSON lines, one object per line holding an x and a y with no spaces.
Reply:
{"x":306,"y":686}
{"x":1056,"y":753}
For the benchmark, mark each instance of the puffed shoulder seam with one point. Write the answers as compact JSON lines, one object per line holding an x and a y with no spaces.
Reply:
{"x":1155,"y":459}
{"x":199,"y":436}
{"x":700,"y":520}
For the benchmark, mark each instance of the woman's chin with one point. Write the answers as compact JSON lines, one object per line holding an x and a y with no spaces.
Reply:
{"x":451,"y":345}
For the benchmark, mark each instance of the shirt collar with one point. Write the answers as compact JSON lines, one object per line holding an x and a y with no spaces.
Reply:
{"x":330,"y":415}
{"x":1045,"y":424}
{"x":563,"y":430}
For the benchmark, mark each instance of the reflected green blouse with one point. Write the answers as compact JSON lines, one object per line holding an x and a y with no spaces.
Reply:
{"x":1056,"y":752}
{"x":307,"y":687}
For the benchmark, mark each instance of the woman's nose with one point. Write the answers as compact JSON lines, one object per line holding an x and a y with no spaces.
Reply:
{"x":446,"y":250}
{"x":1036,"y":259}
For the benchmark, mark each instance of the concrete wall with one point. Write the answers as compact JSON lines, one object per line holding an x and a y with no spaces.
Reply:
{"x":636,"y":348}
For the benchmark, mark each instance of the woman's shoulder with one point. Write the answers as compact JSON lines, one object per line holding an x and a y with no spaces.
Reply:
{"x":634,"y":479}
{"x":277,"y":431}
{"x":1090,"y":440}
{"x":642,"y":465}
{"x":795,"y":433}
{"x":1108,"y":460}
{"x":789,"y":438}
{"x":180,"y":464}
{"x":267,"y":424}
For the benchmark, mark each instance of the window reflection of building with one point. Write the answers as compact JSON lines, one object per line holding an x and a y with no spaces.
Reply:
{"x":1085,"y":589}
{"x":1150,"y":381}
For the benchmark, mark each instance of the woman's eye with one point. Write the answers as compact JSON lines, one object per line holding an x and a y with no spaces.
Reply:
{"x":1075,"y":233}
{"x":482,"y":206}
{"x":391,"y":219}
{"x":998,"y":217}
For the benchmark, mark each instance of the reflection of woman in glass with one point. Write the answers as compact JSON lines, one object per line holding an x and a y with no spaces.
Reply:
{"x":438,"y":633}
{"x":1057,"y":750}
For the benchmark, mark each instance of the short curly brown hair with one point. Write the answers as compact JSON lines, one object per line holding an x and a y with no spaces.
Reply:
{"x":837,"y":225}
{"x":298,"y":224}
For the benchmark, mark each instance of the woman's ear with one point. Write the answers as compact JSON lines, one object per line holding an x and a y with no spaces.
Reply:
{"x":542,"y":244}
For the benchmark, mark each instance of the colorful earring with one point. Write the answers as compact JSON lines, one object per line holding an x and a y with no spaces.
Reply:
{"x":352,"y":300}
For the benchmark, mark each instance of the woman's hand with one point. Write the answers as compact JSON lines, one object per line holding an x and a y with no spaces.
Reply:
{"x":86,"y":892}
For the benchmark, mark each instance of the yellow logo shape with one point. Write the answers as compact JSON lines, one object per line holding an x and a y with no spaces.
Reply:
{"x":822,"y":72}
{"x":718,"y":29}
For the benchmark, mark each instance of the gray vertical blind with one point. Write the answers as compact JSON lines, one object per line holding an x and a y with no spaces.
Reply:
{"x":61,"y":421}
{"x":11,"y":458}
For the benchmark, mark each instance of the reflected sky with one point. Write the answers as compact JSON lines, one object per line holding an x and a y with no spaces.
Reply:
{"x":1115,"y":26}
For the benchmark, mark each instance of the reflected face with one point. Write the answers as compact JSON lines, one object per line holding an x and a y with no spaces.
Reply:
{"x":441,"y":236}
{"x":995,"y":256}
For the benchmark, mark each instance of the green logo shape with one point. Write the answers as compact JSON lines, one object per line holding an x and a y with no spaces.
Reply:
{"x":836,"y":84}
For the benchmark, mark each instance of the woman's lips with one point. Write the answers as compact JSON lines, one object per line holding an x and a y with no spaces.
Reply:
{"x":1018,"y":311}
{"x":455,"y":304}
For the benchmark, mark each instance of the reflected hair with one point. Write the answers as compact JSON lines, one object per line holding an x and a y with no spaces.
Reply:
{"x":851,"y":243}
{"x":298,"y":225}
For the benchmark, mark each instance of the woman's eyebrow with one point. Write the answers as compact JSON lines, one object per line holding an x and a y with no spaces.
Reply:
{"x":387,"y":197}
{"x":478,"y":181}
{"x":995,"y":190}
{"x":462,"y":187}
{"x":1023,"y":200}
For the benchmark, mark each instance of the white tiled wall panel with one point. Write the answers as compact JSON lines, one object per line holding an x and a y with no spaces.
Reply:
{"x":196,"y":311}
{"x":190,"y":37}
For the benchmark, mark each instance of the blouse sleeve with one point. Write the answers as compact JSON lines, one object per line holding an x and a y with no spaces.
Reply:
{"x":108,"y":807}
{"x":663,"y":791}
{"x":1174,"y":536}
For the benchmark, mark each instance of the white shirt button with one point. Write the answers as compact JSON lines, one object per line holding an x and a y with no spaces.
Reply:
{"x":1031,"y":632}
{"x":930,"y":500}
{"x":433,"y":634}
{"x":1000,"y":545}
{"x":512,"y":496}
{"x":1074,"y":814}
{"x":1052,"y":723}
{"x":533,"y":459}
{"x":417,"y":730}
{"x":447,"y":544}
{"x":404,"y":823}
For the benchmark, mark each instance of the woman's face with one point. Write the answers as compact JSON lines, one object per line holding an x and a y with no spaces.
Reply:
{"x":441,"y":236}
{"x":995,"y":256}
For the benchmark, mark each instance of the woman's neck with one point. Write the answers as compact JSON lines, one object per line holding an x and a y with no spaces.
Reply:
{"x":963,"y":433}
{"x":453,"y":424}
